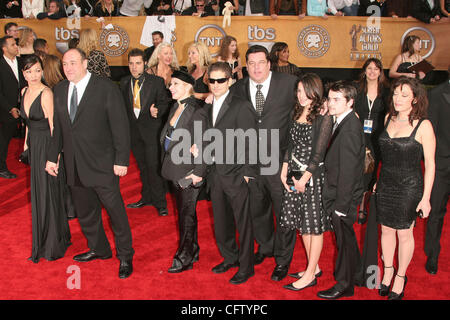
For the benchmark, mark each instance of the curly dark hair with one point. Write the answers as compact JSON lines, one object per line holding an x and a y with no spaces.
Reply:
{"x":419,"y":107}
{"x":314,"y":91}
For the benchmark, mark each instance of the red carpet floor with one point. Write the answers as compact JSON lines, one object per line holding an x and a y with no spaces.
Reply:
{"x":155,"y":241}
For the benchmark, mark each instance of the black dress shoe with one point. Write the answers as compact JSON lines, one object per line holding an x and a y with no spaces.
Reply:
{"x":291,"y":286}
{"x":125,"y":268}
{"x":223,"y":267}
{"x":431,"y":266}
{"x":162,"y":212}
{"x":279,"y":273}
{"x":362,"y":217}
{"x":141,"y":203}
{"x":178,"y":269}
{"x":7,"y":174}
{"x":296,"y":276}
{"x":90,"y":255}
{"x":239,"y":278}
{"x":334,"y":293}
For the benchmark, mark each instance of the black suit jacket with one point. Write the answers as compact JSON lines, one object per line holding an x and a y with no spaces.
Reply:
{"x":344,"y":167}
{"x":278,"y":107}
{"x":99,"y":137}
{"x":153,"y":91}
{"x":235,"y":113}
{"x":421,"y":10}
{"x":9,"y":89}
{"x":193,"y":112}
{"x":439,"y":114}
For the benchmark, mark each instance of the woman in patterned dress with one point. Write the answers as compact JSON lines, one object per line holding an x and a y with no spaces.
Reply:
{"x":302,"y":207}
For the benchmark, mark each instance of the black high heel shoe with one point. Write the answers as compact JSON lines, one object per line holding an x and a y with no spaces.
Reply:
{"x":296,"y":276}
{"x":384,"y":289}
{"x":398,"y":296}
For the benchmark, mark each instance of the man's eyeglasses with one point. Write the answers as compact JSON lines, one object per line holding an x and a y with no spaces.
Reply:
{"x":220,"y":80}
{"x":200,"y":5}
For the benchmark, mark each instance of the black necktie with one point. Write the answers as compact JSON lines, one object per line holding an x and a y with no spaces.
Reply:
{"x":73,"y":104}
{"x":336,"y":124}
{"x":259,"y":100}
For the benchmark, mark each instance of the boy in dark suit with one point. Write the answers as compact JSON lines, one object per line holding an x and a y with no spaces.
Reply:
{"x":343,"y":187}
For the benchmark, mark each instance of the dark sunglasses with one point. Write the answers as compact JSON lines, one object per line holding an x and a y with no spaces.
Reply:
{"x":200,"y":5}
{"x":221,"y":80}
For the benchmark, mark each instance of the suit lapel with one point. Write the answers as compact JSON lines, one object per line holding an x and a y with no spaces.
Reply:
{"x":338,"y":129}
{"x":88,"y":92}
{"x":10,"y":71}
{"x":223,"y":109}
{"x":63,"y":102}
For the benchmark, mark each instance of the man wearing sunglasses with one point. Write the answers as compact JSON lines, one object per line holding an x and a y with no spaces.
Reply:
{"x":230,"y":172}
{"x":272,"y":96}
{"x":199,"y":9}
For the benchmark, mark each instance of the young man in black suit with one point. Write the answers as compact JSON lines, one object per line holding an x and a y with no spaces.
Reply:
{"x":438,"y":113}
{"x":230,"y":173}
{"x":11,"y":81}
{"x":343,"y":187}
{"x":90,"y":124}
{"x":146,"y":103}
{"x":273,"y":98}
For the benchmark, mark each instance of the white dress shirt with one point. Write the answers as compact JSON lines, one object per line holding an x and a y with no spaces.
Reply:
{"x":264,"y":89}
{"x":217,"y":105}
{"x":81,"y":87}
{"x":14,"y":66}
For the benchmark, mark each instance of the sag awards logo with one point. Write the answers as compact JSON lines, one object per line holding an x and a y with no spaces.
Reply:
{"x":212,"y":36}
{"x":369,"y":39}
{"x":313,"y":41}
{"x":427,"y":41}
{"x":114,"y":41}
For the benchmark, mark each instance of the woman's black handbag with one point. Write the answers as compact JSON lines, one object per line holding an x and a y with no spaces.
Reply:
{"x":25,"y":157}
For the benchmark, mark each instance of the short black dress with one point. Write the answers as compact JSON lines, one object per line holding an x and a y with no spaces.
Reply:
{"x":304,"y":211}
{"x":400,"y":186}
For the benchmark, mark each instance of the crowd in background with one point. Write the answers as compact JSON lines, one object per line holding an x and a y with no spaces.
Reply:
{"x":428,"y":11}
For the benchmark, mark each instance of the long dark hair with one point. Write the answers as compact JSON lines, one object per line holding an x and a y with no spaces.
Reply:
{"x":314,"y":91}
{"x":276,"y":48}
{"x":408,"y":44}
{"x":419,"y":108}
{"x":382,"y":82}
{"x":223,"y":53}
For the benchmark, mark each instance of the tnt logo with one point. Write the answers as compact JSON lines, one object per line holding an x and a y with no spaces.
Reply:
{"x":212,"y":36}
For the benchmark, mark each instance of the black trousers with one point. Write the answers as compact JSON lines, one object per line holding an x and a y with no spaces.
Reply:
{"x":88,"y":206}
{"x":438,"y":200}
{"x":230,"y":203}
{"x":147,"y":153}
{"x":7,"y":130}
{"x":266,"y":194}
{"x":348,"y":268}
{"x":188,"y":248}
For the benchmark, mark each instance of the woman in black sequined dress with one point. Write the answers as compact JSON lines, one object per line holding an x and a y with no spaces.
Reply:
{"x":402,"y":190}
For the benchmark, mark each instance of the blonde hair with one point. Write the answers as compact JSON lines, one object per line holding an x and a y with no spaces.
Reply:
{"x":23,"y":40}
{"x":204,"y":57}
{"x":154,"y":60}
{"x":88,"y":40}
{"x":52,"y":70}
{"x":102,"y":4}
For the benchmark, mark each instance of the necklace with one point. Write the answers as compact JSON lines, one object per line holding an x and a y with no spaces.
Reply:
{"x":401,"y":120}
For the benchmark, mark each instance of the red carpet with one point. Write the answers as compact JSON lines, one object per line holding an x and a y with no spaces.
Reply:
{"x":155,"y":241}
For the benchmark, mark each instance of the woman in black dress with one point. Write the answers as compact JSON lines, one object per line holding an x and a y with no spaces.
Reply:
{"x":402,"y":191}
{"x":409,"y":56}
{"x":199,"y":59}
{"x":50,"y":229}
{"x":279,"y":59}
{"x":370,"y":105}
{"x":185,"y":111}
{"x":302,"y":207}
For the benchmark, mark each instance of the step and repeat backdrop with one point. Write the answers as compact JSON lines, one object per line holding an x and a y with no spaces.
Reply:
{"x":336,"y":42}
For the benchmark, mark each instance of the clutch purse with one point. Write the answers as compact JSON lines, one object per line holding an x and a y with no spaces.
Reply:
{"x":25,"y":157}
{"x":369,"y":162}
{"x":184,"y":183}
{"x":297,"y":174}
